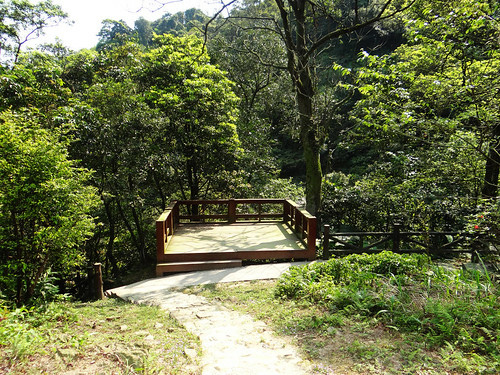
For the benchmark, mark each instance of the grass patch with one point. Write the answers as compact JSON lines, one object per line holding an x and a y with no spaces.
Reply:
{"x":383,"y":313}
{"x":105,"y":337}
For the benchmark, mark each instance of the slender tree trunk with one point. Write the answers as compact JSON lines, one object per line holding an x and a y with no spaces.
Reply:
{"x":194,"y":188}
{"x":19,"y":256}
{"x":131,"y":231}
{"x":314,"y":174}
{"x":310,"y":144}
{"x":141,"y":238}
{"x":299,"y":67}
{"x":160,"y":191}
{"x":296,"y":17}
{"x":490,"y":187}
{"x":31,"y":284}
{"x":111,"y":239}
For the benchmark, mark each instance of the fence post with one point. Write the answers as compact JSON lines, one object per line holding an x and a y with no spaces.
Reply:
{"x":311,"y":224}
{"x":232,"y":211}
{"x":285,"y":211}
{"x":99,"y":292}
{"x":297,"y":217}
{"x":176,"y":213}
{"x":326,"y":242}
{"x":160,"y":239}
{"x":396,"y":237}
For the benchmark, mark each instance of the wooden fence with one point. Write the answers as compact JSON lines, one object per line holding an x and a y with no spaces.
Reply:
{"x":433,"y":243}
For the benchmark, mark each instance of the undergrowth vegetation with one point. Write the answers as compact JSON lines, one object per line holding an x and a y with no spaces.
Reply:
{"x":379,"y":314}
{"x":104,"y":337}
{"x":407,"y":293}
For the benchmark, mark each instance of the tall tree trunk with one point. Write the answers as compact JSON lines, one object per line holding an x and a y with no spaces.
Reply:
{"x":296,"y":17}
{"x":156,"y":179}
{"x":131,"y":231}
{"x":310,"y":144}
{"x":111,"y":239}
{"x":314,"y":174}
{"x":141,"y":238}
{"x":299,"y":68}
{"x":194,"y":186}
{"x":490,"y":187}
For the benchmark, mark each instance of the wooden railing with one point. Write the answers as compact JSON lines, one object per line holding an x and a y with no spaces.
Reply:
{"x":232,"y":211}
{"x":165,"y":227}
{"x":433,"y":243}
{"x":302,"y":222}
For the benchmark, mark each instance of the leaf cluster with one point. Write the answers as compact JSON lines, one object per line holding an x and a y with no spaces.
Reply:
{"x":407,"y":293}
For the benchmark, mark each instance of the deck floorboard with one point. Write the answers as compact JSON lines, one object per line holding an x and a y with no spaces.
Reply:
{"x":200,"y":238}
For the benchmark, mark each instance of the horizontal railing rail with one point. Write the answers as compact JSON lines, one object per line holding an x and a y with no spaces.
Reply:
{"x":436,"y":243}
{"x":229,"y":210}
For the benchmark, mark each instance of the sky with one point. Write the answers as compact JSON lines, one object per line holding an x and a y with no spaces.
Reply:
{"x":87,"y":17}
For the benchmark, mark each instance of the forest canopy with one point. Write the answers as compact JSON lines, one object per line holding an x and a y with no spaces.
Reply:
{"x":368,"y":112}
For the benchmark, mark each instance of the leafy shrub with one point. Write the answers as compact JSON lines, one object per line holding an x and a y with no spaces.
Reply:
{"x":405,"y":292}
{"x":352,"y":269}
{"x":44,"y":207}
{"x":19,"y":335}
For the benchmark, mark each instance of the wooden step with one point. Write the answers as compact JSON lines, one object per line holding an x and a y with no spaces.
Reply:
{"x":162,"y":268}
{"x":231,"y":255}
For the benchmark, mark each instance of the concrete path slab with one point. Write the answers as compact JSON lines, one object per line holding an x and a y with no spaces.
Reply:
{"x":232,"y":343}
{"x":183,"y":280}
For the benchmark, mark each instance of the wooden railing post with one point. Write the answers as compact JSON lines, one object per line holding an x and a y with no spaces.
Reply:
{"x":98,"y":289}
{"x":175,"y":214}
{"x":396,"y":237}
{"x":231,"y":211}
{"x":297,"y":222}
{"x":311,"y":236}
{"x":160,"y":239}
{"x":326,"y":242}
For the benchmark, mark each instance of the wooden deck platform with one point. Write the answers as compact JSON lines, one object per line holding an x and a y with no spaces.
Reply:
{"x":192,"y":246}
{"x":238,"y":237}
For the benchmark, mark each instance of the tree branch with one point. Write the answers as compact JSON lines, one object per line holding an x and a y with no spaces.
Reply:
{"x":205,"y":34}
{"x":335,"y":34}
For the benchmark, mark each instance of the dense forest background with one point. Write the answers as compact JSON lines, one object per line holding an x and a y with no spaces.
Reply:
{"x":367,"y":112}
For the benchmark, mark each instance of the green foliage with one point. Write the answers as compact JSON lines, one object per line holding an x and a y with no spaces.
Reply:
{"x":154,"y":124}
{"x":201,"y":107}
{"x":352,"y":269}
{"x":422,"y":188}
{"x":485,"y":222}
{"x":113,"y":34}
{"x":44,"y":207}
{"x":440,"y":85}
{"x":36,"y":84}
{"x":191,"y":21}
{"x":407,"y":293}
{"x":426,"y":125}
